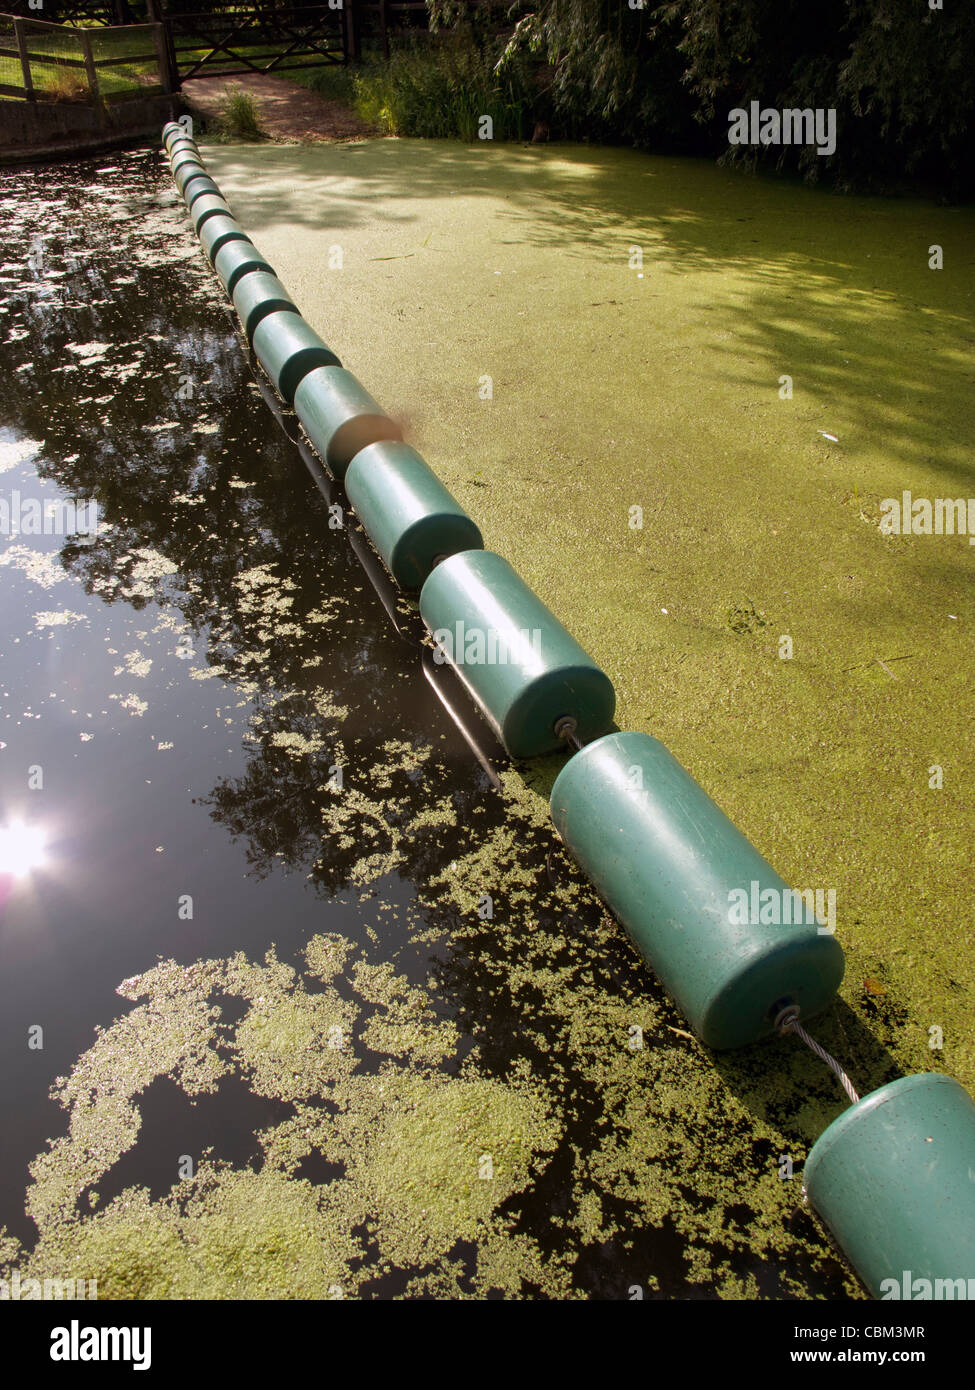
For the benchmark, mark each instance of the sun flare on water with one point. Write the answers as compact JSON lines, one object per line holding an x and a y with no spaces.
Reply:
{"x":21,"y":849}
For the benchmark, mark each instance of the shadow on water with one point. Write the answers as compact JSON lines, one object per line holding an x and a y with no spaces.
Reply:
{"x":215,"y":554}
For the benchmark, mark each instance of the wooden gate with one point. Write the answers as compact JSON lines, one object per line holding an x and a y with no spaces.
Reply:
{"x":229,"y":40}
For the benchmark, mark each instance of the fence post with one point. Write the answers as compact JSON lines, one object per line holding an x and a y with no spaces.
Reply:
{"x":90,"y":72}
{"x":352,"y":45}
{"x":24,"y":60}
{"x":162,"y":57}
{"x":157,"y":13}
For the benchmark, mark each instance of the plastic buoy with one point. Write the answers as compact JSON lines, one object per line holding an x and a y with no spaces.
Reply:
{"x":171,"y":131}
{"x":170,"y":141}
{"x":184,"y":153}
{"x":258,"y":295}
{"x":340,"y":417}
{"x":673,"y":868}
{"x":210,"y":205}
{"x":180,"y":146}
{"x":236,"y":259}
{"x":183,"y":159}
{"x":410,"y":516}
{"x":198,"y":188}
{"x":194,"y":182}
{"x":188,"y":171}
{"x":894,"y":1180}
{"x":525,"y":671}
{"x":217,"y":231}
{"x":288,"y":349}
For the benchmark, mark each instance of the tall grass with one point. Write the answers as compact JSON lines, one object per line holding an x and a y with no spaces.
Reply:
{"x":239,"y":118}
{"x":331,"y":81}
{"x":65,"y":84}
{"x":443,"y":92}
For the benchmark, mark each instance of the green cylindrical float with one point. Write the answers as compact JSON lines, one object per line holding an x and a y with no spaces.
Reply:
{"x":688,"y":887}
{"x":524,"y":670}
{"x":258,"y":295}
{"x":288,"y":349}
{"x":340,"y":417}
{"x":236,"y":259}
{"x":210,"y":205}
{"x":188,"y":170}
{"x":217,"y":231}
{"x":180,"y":146}
{"x":171,"y":131}
{"x":200,"y":188}
{"x":184,"y":153}
{"x":894,"y":1179}
{"x":410,"y":516}
{"x":193,"y":181}
{"x":183,"y":145}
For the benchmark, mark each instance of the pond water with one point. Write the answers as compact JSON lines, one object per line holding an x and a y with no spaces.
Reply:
{"x":323,"y":1012}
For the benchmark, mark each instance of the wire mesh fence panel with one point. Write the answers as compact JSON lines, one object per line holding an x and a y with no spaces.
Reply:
{"x":52,"y":61}
{"x":56,"y":63}
{"x":11,"y":71}
{"x":126,"y":61}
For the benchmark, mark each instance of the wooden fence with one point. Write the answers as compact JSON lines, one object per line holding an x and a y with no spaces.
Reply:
{"x":42,"y":62}
{"x":93,"y":62}
{"x":228,"y":40}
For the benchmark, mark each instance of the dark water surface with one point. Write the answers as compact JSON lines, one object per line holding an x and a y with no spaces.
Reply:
{"x":147,"y":759}
{"x":176,"y":694}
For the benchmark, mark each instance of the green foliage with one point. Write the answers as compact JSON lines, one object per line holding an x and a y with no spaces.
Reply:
{"x":239,"y":117}
{"x":443,"y":91}
{"x":910,"y":73}
{"x":900,"y":76}
{"x":611,"y":75}
{"x":331,"y":81}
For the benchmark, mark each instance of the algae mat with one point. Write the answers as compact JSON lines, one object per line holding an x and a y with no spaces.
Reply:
{"x":531,"y":1118}
{"x":655,"y":381}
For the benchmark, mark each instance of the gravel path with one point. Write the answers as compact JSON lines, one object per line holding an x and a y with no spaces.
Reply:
{"x":290,"y":114}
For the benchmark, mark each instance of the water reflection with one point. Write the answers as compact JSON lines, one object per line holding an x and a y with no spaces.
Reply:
{"x":22,"y":849}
